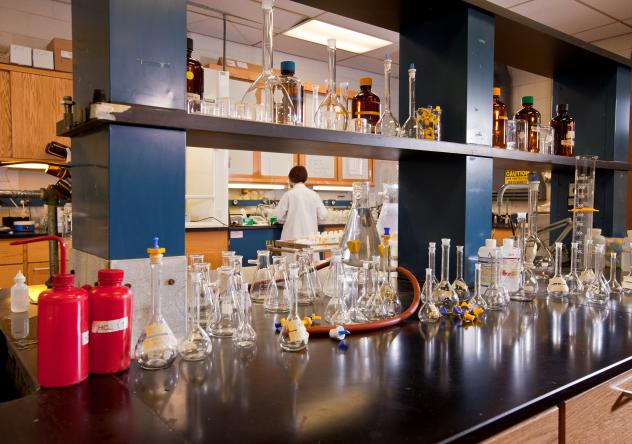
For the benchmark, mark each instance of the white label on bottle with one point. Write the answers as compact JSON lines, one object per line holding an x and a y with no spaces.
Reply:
{"x":486,"y":272}
{"x":511,"y":273}
{"x":109,"y":326}
{"x":627,"y":282}
{"x":85,"y":337}
{"x":557,"y":284}
{"x":227,"y":308}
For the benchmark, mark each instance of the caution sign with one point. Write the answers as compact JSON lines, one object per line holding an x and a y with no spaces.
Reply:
{"x":516,"y":176}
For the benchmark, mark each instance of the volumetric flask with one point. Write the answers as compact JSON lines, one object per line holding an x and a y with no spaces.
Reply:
{"x":306,"y":289}
{"x":538,"y":257}
{"x":336,"y":312}
{"x":263,"y":283}
{"x":597,"y":292}
{"x":226,"y":309}
{"x":245,"y":335}
{"x":196,"y":346}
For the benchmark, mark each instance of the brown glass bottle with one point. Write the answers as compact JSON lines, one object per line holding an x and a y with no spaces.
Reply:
{"x":499,"y":135}
{"x":532,"y":116}
{"x":564,"y":132}
{"x":195,"y":75}
{"x":365,"y":104}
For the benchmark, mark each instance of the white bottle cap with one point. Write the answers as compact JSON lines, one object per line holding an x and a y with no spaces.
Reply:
{"x":445,"y":241}
{"x":596,"y":231}
{"x":508,"y":242}
{"x":490,"y":243}
{"x":19,"y":278}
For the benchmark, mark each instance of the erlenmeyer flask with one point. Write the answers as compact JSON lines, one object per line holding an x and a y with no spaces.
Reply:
{"x":538,"y":257}
{"x":477,"y":300}
{"x":276,"y":301}
{"x":444,"y":294}
{"x":293,"y":335}
{"x":459,"y":284}
{"x":575,"y":285}
{"x":597,"y":292}
{"x":226,"y":309}
{"x":245,"y":335}
{"x":336,"y":312}
{"x":613,"y":282}
{"x":387,"y":125}
{"x":306,"y":291}
{"x":587,"y":275}
{"x":156,"y":346}
{"x":557,"y":286}
{"x":429,"y":311}
{"x":496,"y":295}
{"x":267,"y":90}
{"x":196,"y":345}
{"x":360,"y":227}
{"x":331,"y":113}
{"x":355,"y":312}
{"x":263,"y":284}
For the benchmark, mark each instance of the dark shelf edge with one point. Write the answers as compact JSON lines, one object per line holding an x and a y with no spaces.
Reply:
{"x":218,"y":132}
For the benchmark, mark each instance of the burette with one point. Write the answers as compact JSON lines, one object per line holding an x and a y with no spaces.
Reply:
{"x":584,"y":203}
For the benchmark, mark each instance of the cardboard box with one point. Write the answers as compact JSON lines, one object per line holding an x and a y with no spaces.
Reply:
{"x":21,"y":55}
{"x":62,"y":53}
{"x":216,"y":84}
{"x":43,"y":59}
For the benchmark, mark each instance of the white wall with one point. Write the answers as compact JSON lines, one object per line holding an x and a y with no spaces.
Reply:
{"x":529,"y":84}
{"x":33,"y":22}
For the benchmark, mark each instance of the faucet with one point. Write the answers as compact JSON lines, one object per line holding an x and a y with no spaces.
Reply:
{"x":505,"y":187}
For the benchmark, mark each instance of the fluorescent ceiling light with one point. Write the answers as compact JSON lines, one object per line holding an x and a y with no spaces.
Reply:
{"x":331,"y":188}
{"x":256,"y":186}
{"x":318,"y":32}
{"x":29,"y":166}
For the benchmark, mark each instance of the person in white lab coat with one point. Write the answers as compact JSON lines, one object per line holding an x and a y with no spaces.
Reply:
{"x":300,"y":209}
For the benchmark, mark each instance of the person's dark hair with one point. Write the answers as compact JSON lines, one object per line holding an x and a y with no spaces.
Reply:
{"x":298,"y":174}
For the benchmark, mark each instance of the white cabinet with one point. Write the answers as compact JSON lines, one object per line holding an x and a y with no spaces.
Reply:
{"x":241,"y":163}
{"x":320,"y":167}
{"x":276,"y":164}
{"x":206,"y":186}
{"x":354,"y":169}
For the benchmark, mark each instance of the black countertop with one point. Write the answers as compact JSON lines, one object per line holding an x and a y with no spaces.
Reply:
{"x":16,"y":235}
{"x":409,"y":382}
{"x":253,"y":227}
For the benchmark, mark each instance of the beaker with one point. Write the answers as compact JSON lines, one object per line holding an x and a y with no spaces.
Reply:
{"x":263,"y":284}
{"x":575,"y":285}
{"x":597,"y":292}
{"x":196,"y":345}
{"x":387,"y":125}
{"x":293,"y":335}
{"x":444,"y":294}
{"x":459,"y":284}
{"x":477,"y":300}
{"x":546,"y":136}
{"x":496,"y":295}
{"x":336,"y":312}
{"x":331,"y":114}
{"x":537,"y":256}
{"x":613,"y":283}
{"x":226,"y":310}
{"x":557,"y":286}
{"x":276,"y":301}
{"x":360,"y":227}
{"x":156,"y":346}
{"x":245,"y":335}
{"x":429,"y":311}
{"x":306,"y":290}
{"x":267,"y":91}
{"x":583,"y":204}
{"x":517,"y":134}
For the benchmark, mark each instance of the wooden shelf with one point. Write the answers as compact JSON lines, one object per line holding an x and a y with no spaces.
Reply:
{"x":217,"y":132}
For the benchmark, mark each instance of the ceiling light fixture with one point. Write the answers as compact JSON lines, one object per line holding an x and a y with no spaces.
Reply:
{"x":331,"y":188}
{"x":318,"y":32}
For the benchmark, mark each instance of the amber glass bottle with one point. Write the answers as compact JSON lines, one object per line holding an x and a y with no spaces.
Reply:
{"x":366,"y":105}
{"x":532,"y":116}
{"x":195,"y":75}
{"x":499,"y":136}
{"x":564,"y":132}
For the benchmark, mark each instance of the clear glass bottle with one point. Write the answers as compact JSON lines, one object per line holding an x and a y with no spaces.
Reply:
{"x":263,"y":284}
{"x":597,"y":292}
{"x":277,"y":301}
{"x":306,"y":289}
{"x":157,"y":346}
{"x":528,"y":286}
{"x":537,"y":255}
{"x":290,"y":113}
{"x":366,"y":104}
{"x":532,"y":117}
{"x":432,"y":262}
{"x":387,"y":125}
{"x":355,"y":312}
{"x":499,"y":128}
{"x":587,"y":274}
{"x":196,"y":345}
{"x":226,"y":309}
{"x":428,"y":311}
{"x":477,"y":300}
{"x":294,"y":336}
{"x":575,"y":285}
{"x":410,"y":128}
{"x":361,"y":227}
{"x":496,"y":295}
{"x":331,"y":114}
{"x":459,"y":284}
{"x":444,"y":294}
{"x":557,"y":286}
{"x":245,"y":335}
{"x":336,"y":311}
{"x":267,"y":90}
{"x":613,"y":283}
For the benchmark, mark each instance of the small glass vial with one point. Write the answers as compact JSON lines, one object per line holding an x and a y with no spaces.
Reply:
{"x":613,"y":283}
{"x":459,"y":284}
{"x":428,"y":311}
{"x":597,"y":292}
{"x":444,"y":293}
{"x":557,"y":286}
{"x":294,"y":336}
{"x":496,"y":295}
{"x":575,"y":285}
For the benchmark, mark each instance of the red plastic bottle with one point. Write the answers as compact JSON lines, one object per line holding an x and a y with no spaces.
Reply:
{"x":62,"y":327}
{"x":110,"y":323}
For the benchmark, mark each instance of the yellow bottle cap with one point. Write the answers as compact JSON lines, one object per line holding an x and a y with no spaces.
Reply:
{"x":497,"y":91}
{"x":365,"y":81}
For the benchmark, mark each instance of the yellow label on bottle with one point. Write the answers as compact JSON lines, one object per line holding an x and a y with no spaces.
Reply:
{"x":189,"y":75}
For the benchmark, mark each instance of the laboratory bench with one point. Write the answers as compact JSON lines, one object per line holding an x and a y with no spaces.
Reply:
{"x":541,"y":371}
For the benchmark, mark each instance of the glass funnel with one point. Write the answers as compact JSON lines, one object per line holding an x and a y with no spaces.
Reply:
{"x":496,"y":295}
{"x":410,"y":128}
{"x":575,"y":285}
{"x":226,"y":310}
{"x":293,"y":335}
{"x":263,"y":283}
{"x":557,"y":286}
{"x":336,"y":312}
{"x":477,"y":300}
{"x":537,"y":256}
{"x":387,"y":125}
{"x":583,"y":205}
{"x":360,"y":227}
{"x":444,"y":293}
{"x":429,"y":311}
{"x":267,"y":91}
{"x":277,"y":301}
{"x":597,"y":292}
{"x":331,"y":113}
{"x":613,"y":282}
{"x":245,"y":335}
{"x":156,"y":346}
{"x":196,"y":345}
{"x":459,"y":284}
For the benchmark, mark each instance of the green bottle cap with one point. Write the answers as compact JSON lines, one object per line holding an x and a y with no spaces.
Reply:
{"x":527,"y":100}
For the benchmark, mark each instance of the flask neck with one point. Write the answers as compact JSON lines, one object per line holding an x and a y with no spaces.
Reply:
{"x":267,"y":40}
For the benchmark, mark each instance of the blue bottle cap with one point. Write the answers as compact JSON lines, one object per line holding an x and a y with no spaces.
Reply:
{"x":155,"y":243}
{"x":387,"y":231}
{"x":289,"y":66}
{"x":412,"y":66}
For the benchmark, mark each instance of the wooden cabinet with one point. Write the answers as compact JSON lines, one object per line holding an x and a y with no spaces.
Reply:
{"x":37,"y":272}
{"x":32,"y":259}
{"x":29,"y":110}
{"x":11,"y":254}
{"x":353,"y":170}
{"x":321,"y":170}
{"x":7,"y":273}
{"x":209,"y":243}
{"x":542,"y":428}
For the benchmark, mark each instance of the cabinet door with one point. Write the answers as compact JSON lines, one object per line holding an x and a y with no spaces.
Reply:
{"x":35,"y":110}
{"x":6,"y":149}
{"x":276,"y":165}
{"x":353,"y":169}
{"x":241,"y":164}
{"x":11,"y":254}
{"x":37,"y":273}
{"x":7,"y":274}
{"x":320,"y":169}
